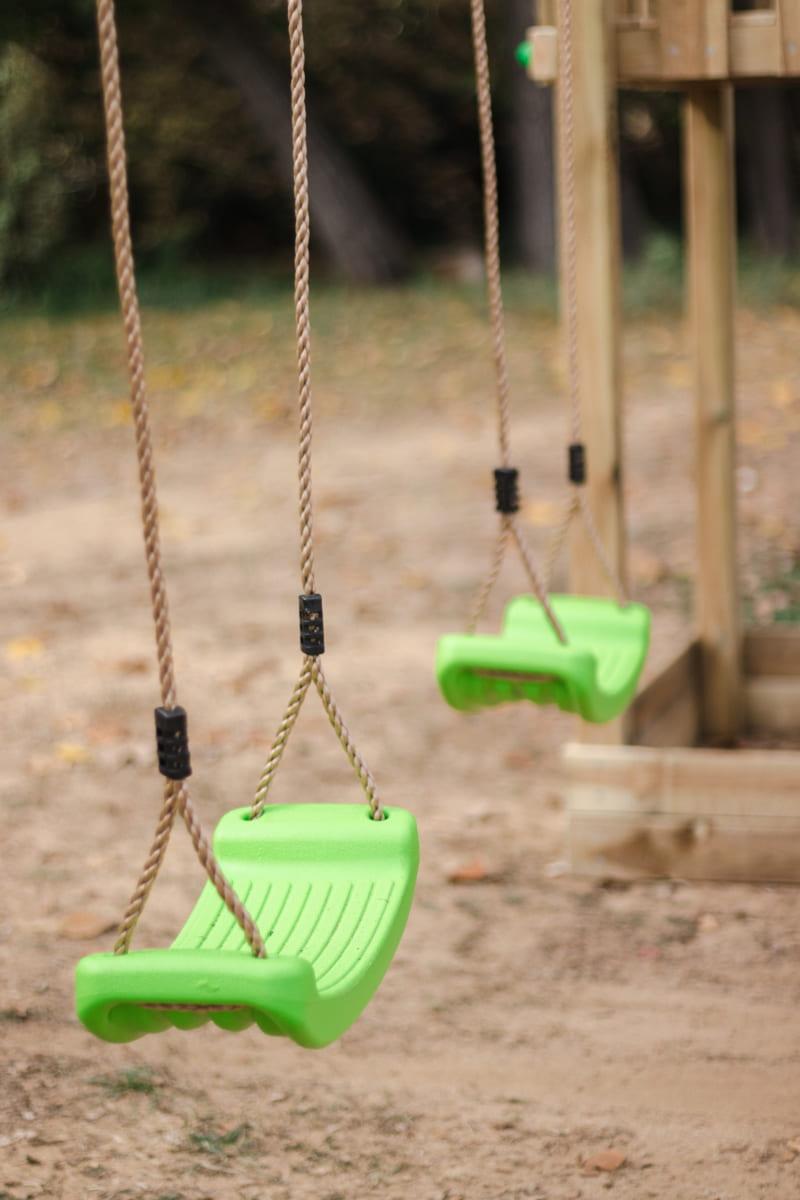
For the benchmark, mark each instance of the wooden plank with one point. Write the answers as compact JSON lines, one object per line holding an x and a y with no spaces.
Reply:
{"x":772,"y":705}
{"x":694,"y":39}
{"x":680,"y":27}
{"x":710,"y":230}
{"x":638,"y":55}
{"x":681,"y":781}
{"x":746,"y":850}
{"x":756,"y":45}
{"x":790,"y":29}
{"x":716,"y":45}
{"x":667,"y":711}
{"x":546,"y":12}
{"x":696,"y":814}
{"x":598,"y":299}
{"x":772,"y":651}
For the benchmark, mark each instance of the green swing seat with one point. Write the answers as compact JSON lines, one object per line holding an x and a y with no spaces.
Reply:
{"x":595,"y":674}
{"x":329,"y":889}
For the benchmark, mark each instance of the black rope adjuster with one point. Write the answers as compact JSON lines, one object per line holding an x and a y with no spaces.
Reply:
{"x":172,"y":742}
{"x":577,"y":463}
{"x":506,"y":489}
{"x":312,"y":627}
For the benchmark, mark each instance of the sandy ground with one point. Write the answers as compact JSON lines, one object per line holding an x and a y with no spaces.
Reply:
{"x":530,"y":1020}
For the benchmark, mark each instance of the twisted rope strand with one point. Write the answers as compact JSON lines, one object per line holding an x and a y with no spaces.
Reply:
{"x":494,"y":287}
{"x":176,"y":798}
{"x":302,"y":287}
{"x":491,"y":225}
{"x":579,"y":506}
{"x":363,"y":774}
{"x":166,"y":820}
{"x":487,"y":587}
{"x":281,"y":738}
{"x":536,"y":581}
{"x":311,"y":668}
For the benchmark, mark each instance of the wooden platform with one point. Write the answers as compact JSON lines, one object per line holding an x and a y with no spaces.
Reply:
{"x":664,"y":804}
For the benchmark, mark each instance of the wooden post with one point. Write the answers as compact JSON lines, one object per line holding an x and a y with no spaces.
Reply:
{"x":711,"y":255}
{"x":598,"y":252}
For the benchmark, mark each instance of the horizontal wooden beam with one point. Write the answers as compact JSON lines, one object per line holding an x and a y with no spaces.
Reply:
{"x":758,"y":47}
{"x":636,"y":811}
{"x":774,"y":651}
{"x":772,"y":706}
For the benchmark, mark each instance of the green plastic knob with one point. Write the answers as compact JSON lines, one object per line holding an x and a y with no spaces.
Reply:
{"x":524,"y":54}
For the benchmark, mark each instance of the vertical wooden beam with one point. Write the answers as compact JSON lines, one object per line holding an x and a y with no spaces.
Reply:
{"x":789,"y":20}
{"x":598,"y":253}
{"x":710,"y":230}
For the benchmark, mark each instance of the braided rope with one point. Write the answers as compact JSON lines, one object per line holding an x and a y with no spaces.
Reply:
{"x":281,"y":738}
{"x":340,"y":729}
{"x":536,"y":581}
{"x":176,"y":797}
{"x":487,"y":587}
{"x":509,"y":526}
{"x":491,"y":227}
{"x":302,"y":287}
{"x":311,"y":668}
{"x":578,"y":503}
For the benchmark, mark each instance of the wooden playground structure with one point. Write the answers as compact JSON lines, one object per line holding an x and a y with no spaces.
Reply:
{"x":665,"y":790}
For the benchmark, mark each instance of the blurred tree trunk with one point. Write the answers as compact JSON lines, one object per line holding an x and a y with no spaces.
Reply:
{"x":532,"y":156}
{"x":357,"y":236}
{"x":766,"y":171}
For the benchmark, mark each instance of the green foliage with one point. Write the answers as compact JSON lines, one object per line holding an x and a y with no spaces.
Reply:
{"x":32,"y":183}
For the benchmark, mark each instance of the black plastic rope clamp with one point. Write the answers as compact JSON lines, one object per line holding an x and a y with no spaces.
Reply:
{"x":172,"y":742}
{"x":506,"y":489}
{"x":312,"y":626}
{"x":577,"y":463}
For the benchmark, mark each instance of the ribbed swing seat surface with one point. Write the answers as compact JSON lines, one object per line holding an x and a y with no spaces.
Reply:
{"x":329,"y":889}
{"x":594,"y":675}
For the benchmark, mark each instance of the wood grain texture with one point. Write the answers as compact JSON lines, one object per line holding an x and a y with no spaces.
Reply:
{"x":710,"y":232}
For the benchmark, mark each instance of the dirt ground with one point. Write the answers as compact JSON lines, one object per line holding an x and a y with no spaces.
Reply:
{"x":530,"y":1020}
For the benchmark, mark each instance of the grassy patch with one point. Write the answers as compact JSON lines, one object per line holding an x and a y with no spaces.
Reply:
{"x":129,"y":1080}
{"x":209,"y":1141}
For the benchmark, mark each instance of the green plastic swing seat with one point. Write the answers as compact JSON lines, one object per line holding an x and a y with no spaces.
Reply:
{"x":594,"y":675}
{"x":329,"y":889}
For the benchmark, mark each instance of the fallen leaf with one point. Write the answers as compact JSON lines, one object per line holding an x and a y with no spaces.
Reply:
{"x":541,"y":513}
{"x":649,"y":952}
{"x":415,"y":581}
{"x":132,"y":666}
{"x":24,"y":647}
{"x":85,"y":926}
{"x":73,"y":753}
{"x":519,"y":760}
{"x":605,"y":1160}
{"x":474,"y":871}
{"x":119,"y":414}
{"x":106,"y":731}
{"x":782,"y":393}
